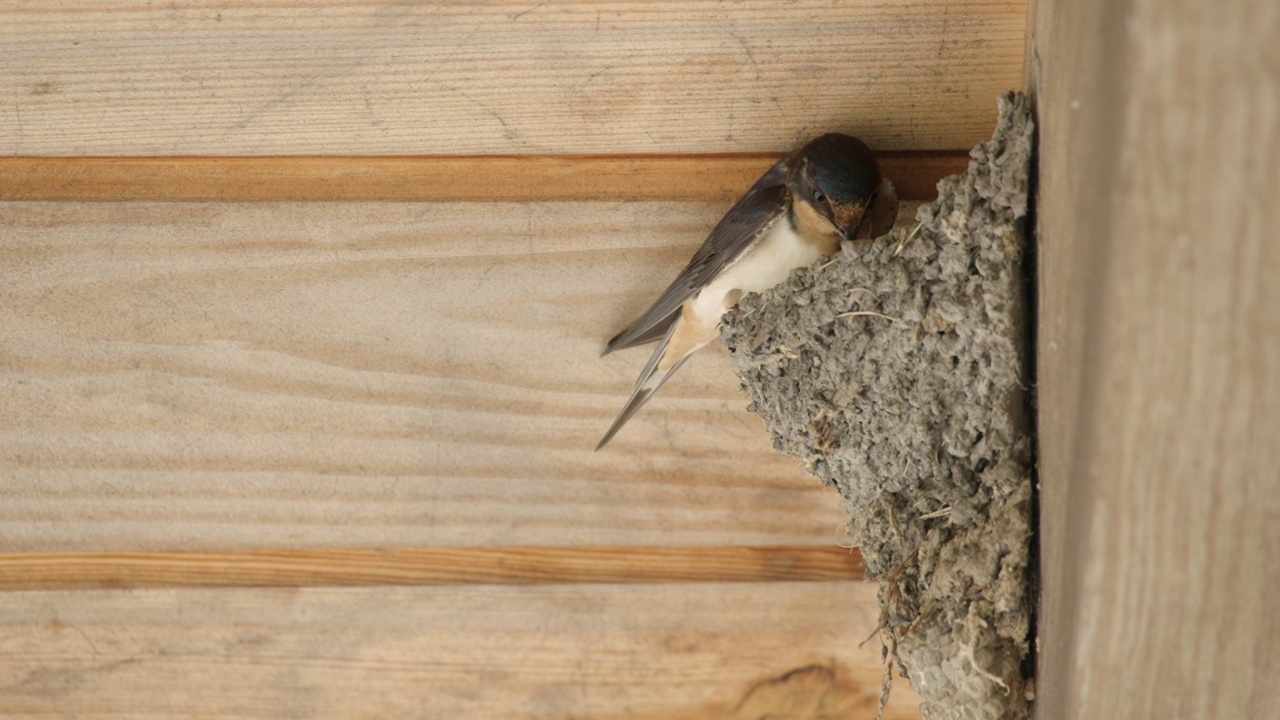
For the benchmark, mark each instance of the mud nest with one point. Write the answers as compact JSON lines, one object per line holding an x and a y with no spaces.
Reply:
{"x":898,"y":373}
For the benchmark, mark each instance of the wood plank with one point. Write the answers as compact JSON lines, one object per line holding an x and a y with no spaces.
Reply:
{"x":126,"y":77}
{"x":598,"y":651}
{"x":1159,"y":360}
{"x":432,"y":566}
{"x":366,"y":375}
{"x":526,"y":178}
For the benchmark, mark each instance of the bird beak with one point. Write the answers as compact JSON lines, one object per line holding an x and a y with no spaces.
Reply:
{"x":848,"y":218}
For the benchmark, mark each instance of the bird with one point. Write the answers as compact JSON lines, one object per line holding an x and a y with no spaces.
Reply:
{"x":827,"y":191}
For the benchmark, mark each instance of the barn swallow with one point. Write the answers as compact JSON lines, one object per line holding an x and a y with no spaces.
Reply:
{"x":799,"y":211}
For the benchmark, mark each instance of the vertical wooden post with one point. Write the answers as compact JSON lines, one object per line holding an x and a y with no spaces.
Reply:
{"x":1159,"y":357}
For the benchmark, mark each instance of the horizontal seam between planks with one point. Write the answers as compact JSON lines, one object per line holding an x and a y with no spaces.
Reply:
{"x":480,"y":178}
{"x":429,"y":566}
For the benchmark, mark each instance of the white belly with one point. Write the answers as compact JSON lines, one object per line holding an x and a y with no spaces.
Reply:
{"x":767,"y":264}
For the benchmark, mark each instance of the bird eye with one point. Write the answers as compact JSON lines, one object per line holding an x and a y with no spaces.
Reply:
{"x":818,"y":196}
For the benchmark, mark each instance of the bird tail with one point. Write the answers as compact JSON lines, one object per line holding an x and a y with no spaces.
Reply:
{"x":651,"y":378}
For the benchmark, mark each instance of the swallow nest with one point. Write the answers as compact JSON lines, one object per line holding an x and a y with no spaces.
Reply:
{"x":899,"y":373}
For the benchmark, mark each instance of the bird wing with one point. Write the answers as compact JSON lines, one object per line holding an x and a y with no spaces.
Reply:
{"x":655,"y":332}
{"x":739,"y":230}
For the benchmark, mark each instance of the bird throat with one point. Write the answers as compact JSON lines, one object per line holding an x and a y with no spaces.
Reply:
{"x":814,"y":229}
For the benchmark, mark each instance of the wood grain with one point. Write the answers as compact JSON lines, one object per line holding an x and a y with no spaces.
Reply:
{"x":524,"y":178}
{"x":1159,"y":362}
{"x":432,"y":566}
{"x":366,"y":375}
{"x":557,"y":651}
{"x":127,"y":78}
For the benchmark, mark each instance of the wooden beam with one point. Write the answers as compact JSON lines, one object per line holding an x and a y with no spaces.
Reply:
{"x":237,"y":376}
{"x":528,"y":178}
{"x":432,"y":566}
{"x":481,"y":652}
{"x":1159,"y":359}
{"x":312,"y":77}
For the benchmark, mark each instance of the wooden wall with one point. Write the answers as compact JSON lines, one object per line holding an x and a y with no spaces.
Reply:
{"x":298,"y":353}
{"x":498,"y":77}
{"x":1159,"y":370}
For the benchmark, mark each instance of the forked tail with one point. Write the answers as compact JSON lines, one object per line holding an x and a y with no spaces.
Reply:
{"x":651,"y":378}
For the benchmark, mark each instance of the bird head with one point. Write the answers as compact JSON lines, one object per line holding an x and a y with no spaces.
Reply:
{"x":838,"y":177}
